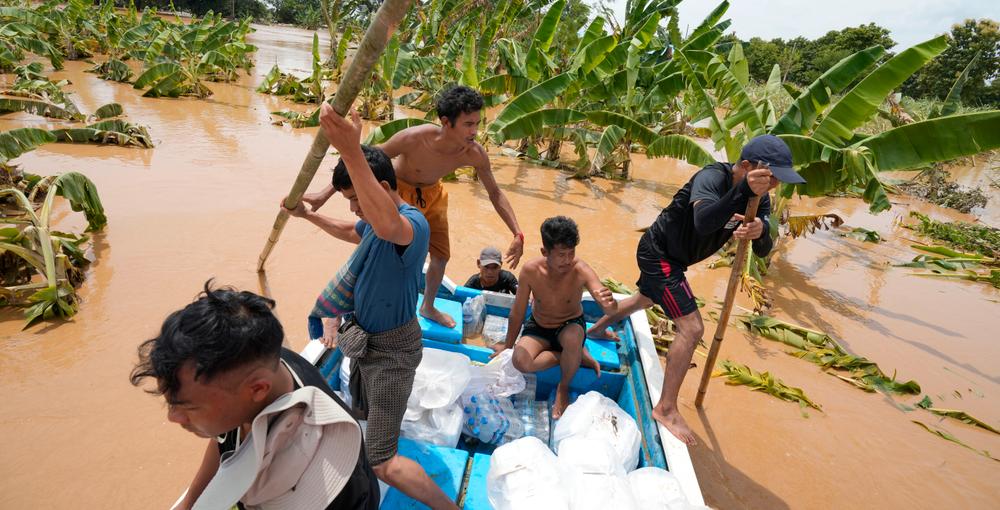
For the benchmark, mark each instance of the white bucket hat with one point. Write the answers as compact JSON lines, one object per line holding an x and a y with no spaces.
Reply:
{"x":301,"y":461}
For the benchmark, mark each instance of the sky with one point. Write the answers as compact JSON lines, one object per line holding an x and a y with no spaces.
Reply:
{"x":909,"y":21}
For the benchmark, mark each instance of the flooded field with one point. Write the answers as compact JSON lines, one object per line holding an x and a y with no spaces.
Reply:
{"x":74,"y":433}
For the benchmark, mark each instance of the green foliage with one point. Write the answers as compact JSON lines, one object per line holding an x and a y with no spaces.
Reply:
{"x":737,"y":374}
{"x":962,"y":416}
{"x":946,"y":435}
{"x":820,"y":348}
{"x":970,"y":237}
{"x":966,"y":40}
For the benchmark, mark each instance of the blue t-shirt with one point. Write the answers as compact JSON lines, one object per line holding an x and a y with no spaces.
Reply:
{"x":385,"y":295}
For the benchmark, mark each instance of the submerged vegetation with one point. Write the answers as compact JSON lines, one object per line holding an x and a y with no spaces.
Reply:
{"x":737,"y":374}
{"x":820,"y":348}
{"x":41,"y":267}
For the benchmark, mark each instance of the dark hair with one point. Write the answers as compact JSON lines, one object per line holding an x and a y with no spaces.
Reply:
{"x":378,"y":161}
{"x":223,"y":329}
{"x":559,"y":230}
{"x":458,"y":100}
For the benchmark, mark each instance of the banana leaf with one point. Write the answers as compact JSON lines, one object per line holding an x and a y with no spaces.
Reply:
{"x":799,"y":226}
{"x":15,"y":142}
{"x":945,"y":435}
{"x":954,"y":99}
{"x":470,"y":77}
{"x":384,"y":132}
{"x":113,"y":70}
{"x":82,"y":196}
{"x":962,"y":416}
{"x":738,"y":374}
{"x":530,"y":102}
{"x":809,"y":104}
{"x":57,"y":301}
{"x":918,"y":144}
{"x":43,"y":108}
{"x":610,"y":139}
{"x":299,"y":119}
{"x":679,"y":147}
{"x":860,"y":104}
{"x":534,"y":123}
{"x":108,"y":111}
{"x":108,"y":132}
{"x":542,"y":40}
{"x":863,"y":234}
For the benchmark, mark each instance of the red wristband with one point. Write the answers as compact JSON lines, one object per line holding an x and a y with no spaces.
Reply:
{"x":520,"y":235}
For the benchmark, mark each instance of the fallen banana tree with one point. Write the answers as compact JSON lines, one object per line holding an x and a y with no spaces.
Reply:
{"x":927,"y":404}
{"x":40,"y":267}
{"x":820,"y":348}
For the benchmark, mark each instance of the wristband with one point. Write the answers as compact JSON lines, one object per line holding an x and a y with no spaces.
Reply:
{"x":520,"y":235}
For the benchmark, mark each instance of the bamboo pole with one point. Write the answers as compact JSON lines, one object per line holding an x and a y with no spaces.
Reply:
{"x":727,"y":306}
{"x":383,"y":24}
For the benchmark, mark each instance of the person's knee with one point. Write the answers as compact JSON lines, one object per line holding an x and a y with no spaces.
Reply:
{"x":690,"y":326}
{"x":521,"y":360}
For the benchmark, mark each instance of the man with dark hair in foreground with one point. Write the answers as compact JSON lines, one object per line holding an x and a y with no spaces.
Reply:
{"x":382,"y":336}
{"x":554,"y":332}
{"x":426,"y":153}
{"x":278,"y":436}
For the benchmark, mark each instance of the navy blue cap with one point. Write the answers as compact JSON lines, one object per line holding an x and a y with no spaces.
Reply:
{"x":773,"y":152}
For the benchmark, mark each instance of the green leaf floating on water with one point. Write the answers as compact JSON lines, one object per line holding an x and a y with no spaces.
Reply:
{"x":763,"y":381}
{"x":962,"y":416}
{"x":945,"y":435}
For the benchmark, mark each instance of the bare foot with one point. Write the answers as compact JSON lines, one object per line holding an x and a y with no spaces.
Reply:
{"x":437,"y":316}
{"x":589,"y":361}
{"x":675,"y":423}
{"x":562,"y":401}
{"x":602,"y":334}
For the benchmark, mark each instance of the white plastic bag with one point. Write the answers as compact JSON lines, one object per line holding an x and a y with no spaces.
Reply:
{"x":589,"y":455}
{"x":494,"y":330}
{"x":589,"y":491}
{"x":525,"y":475}
{"x":655,"y":488}
{"x":498,"y":377}
{"x":345,"y":380}
{"x":595,"y":416}
{"x":441,"y":426}
{"x":473,"y":316}
{"x":440,"y":379}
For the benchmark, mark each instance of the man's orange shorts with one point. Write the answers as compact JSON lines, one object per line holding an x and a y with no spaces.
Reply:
{"x":433,"y":203}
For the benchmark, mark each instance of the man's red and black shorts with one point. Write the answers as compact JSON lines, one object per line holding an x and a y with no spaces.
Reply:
{"x":663,"y":281}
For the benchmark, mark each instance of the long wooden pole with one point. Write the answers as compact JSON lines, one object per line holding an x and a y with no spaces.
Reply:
{"x":727,"y":305}
{"x":383,"y":24}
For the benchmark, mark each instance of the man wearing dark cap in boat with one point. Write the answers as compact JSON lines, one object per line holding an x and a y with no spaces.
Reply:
{"x":702,"y":217}
{"x":278,"y":436}
{"x":382,"y":336}
{"x":491,"y":275}
{"x":423,"y":155}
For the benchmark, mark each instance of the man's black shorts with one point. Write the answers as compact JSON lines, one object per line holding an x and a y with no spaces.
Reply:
{"x":663,"y":281}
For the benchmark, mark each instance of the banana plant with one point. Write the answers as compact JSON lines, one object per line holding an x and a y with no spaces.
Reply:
{"x":37,"y":95}
{"x":180,"y":57}
{"x":307,"y":90}
{"x":24,"y":31}
{"x":39,"y":266}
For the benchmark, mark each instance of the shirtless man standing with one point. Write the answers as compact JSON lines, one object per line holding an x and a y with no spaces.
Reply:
{"x":422,"y":156}
{"x":554,"y":332}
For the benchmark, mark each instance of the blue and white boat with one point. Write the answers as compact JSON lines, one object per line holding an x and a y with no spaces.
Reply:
{"x":631,"y":376}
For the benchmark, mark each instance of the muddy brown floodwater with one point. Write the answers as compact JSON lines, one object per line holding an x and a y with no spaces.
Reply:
{"x":75,"y":434}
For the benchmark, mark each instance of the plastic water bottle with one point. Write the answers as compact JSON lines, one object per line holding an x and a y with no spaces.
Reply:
{"x":468,"y":318}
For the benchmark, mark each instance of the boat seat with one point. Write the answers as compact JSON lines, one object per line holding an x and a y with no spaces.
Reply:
{"x":434,"y":331}
{"x":446,"y":466}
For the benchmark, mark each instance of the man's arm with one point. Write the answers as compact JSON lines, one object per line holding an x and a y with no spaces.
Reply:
{"x":209,"y":465}
{"x":604,"y":297}
{"x":316,"y":200}
{"x":341,"y":229}
{"x":516,"y":318}
{"x":502,"y":207}
{"x":397,"y":143}
{"x":379,"y":208}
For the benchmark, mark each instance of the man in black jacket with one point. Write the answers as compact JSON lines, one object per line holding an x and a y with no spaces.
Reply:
{"x":702,"y":217}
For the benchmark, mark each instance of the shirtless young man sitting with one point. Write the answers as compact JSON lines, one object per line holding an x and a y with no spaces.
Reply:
{"x":422,"y":156}
{"x":554,"y":332}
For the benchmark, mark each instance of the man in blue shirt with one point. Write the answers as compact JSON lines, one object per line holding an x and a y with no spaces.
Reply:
{"x":396,"y":236}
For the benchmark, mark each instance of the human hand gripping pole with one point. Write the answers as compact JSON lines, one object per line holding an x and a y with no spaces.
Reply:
{"x":727,"y":305}
{"x":383,"y":24}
